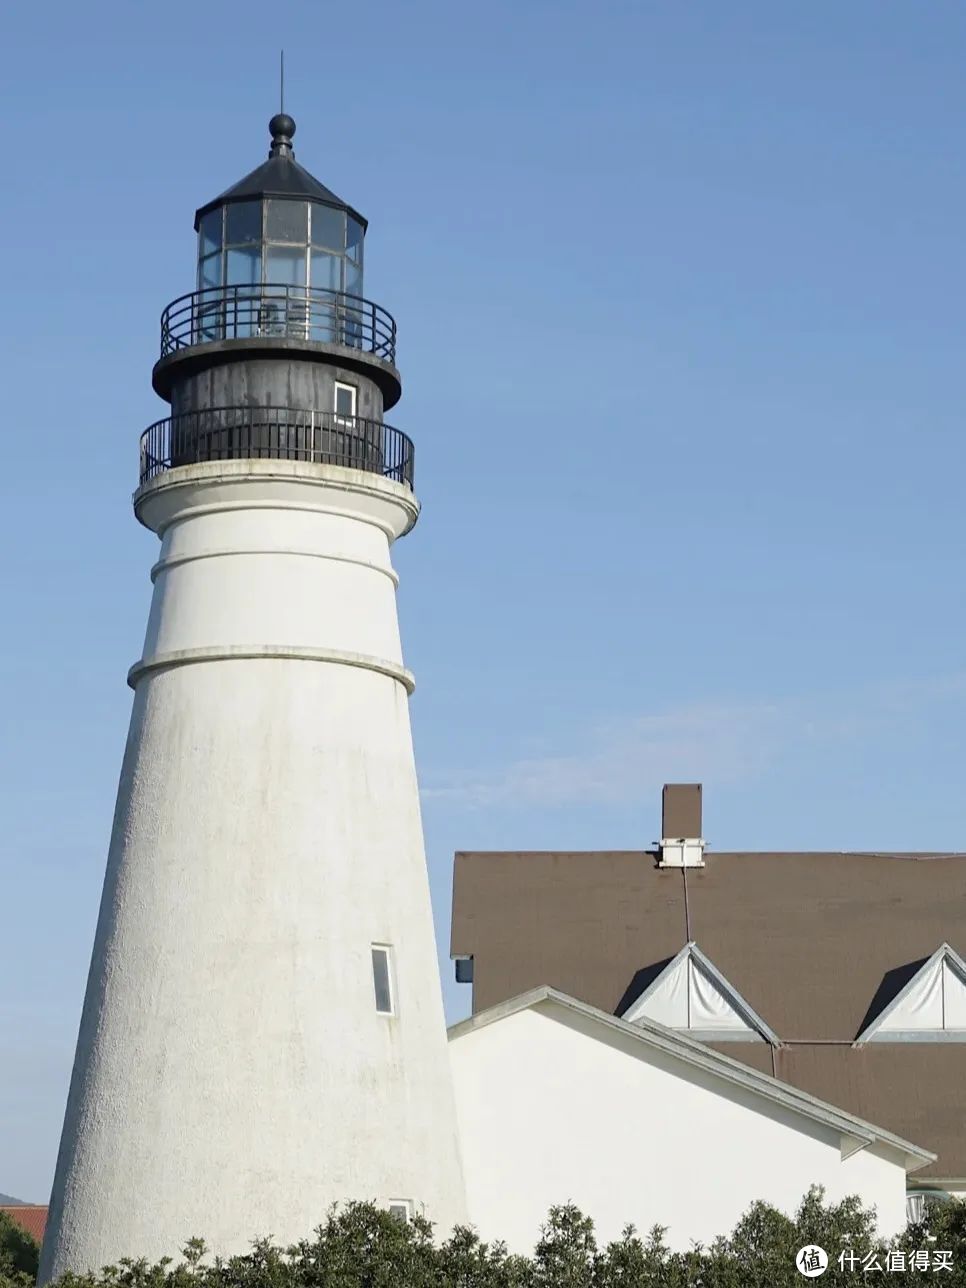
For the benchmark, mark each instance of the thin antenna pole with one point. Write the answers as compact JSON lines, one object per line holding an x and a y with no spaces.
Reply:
{"x":281,"y":81}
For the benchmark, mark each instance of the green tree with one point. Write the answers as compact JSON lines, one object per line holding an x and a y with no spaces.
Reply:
{"x":942,"y":1229}
{"x":362,"y":1246}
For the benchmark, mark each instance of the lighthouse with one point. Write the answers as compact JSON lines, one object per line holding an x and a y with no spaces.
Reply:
{"x":262,"y":1033}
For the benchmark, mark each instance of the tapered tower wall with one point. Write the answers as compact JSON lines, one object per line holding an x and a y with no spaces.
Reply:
{"x":233,"y":1075}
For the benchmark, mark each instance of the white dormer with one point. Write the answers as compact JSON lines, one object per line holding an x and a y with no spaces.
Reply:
{"x":691,"y":995}
{"x":930,"y":1008}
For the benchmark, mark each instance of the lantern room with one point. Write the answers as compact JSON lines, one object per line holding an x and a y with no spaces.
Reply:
{"x":280,"y":228}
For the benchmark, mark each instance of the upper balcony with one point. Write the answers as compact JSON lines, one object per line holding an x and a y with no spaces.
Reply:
{"x":222,"y":323}
{"x":296,"y":312}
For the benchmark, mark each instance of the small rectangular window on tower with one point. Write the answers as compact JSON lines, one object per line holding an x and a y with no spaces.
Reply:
{"x":401,"y":1209}
{"x":382,"y":979}
{"x":345,"y":401}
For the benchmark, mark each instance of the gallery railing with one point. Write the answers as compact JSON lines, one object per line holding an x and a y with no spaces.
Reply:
{"x":292,"y":312}
{"x":276,"y":433}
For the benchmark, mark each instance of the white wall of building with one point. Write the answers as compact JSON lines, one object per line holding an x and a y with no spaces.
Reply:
{"x":233,"y":1077}
{"x":550,"y":1113}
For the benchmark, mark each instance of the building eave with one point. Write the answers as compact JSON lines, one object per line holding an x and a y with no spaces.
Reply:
{"x":695,"y":1054}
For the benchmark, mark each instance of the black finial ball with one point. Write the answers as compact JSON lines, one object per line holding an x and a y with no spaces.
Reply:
{"x":281,"y":126}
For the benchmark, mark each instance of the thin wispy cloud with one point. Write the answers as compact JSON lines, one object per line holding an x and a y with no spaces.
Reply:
{"x":710,"y":742}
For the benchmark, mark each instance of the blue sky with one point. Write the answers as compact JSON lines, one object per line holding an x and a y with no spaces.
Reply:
{"x":680,"y":293}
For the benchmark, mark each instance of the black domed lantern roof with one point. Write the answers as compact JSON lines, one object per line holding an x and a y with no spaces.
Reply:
{"x":280,"y":176}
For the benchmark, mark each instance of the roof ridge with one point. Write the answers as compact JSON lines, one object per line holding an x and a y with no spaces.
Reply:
{"x":916,"y":856}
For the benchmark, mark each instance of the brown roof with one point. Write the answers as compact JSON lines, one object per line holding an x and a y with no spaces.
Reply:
{"x":31,"y":1217}
{"x":815,"y":943}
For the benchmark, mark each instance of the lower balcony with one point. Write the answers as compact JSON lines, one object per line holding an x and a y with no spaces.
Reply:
{"x":276,"y":433}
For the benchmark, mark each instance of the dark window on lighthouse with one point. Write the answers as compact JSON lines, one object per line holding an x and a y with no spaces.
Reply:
{"x":345,"y":401}
{"x":382,"y":979}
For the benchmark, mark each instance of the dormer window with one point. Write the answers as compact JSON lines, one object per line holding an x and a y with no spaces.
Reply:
{"x":929,"y":1007}
{"x":689,"y":994}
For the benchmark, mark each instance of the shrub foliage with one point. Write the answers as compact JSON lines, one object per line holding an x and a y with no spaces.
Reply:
{"x":362,"y":1246}
{"x":18,"y":1254}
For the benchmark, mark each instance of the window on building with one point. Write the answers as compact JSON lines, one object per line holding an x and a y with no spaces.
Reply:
{"x":690,"y":994}
{"x":930,"y":1006}
{"x":345,"y":401}
{"x":401,"y":1209}
{"x":382,"y":979}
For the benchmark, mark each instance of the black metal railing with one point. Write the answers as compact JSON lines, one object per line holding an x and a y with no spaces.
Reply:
{"x":276,"y":433}
{"x":289,"y":312}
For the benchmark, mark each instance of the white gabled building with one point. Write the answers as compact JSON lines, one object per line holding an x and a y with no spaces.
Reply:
{"x":636,"y":1123}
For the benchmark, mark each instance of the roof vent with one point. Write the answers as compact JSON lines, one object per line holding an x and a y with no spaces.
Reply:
{"x":681,"y":843}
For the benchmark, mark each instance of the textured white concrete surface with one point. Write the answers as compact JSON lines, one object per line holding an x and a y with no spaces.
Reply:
{"x":232,"y":1076}
{"x":554,"y":1108}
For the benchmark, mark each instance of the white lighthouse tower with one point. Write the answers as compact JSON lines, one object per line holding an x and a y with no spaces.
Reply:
{"x":263,"y":1033}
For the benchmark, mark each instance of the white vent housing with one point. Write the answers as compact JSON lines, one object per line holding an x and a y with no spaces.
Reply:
{"x":681,"y":852}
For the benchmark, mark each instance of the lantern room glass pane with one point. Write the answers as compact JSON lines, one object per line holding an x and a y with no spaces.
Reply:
{"x":328,"y":227}
{"x":209,"y":231}
{"x":354,"y":238}
{"x":209,"y":322}
{"x":326,"y":271}
{"x":209,"y":272}
{"x":285,"y":265}
{"x":287,"y":221}
{"x":353,"y":278}
{"x":243,"y":267}
{"x":243,"y":222}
